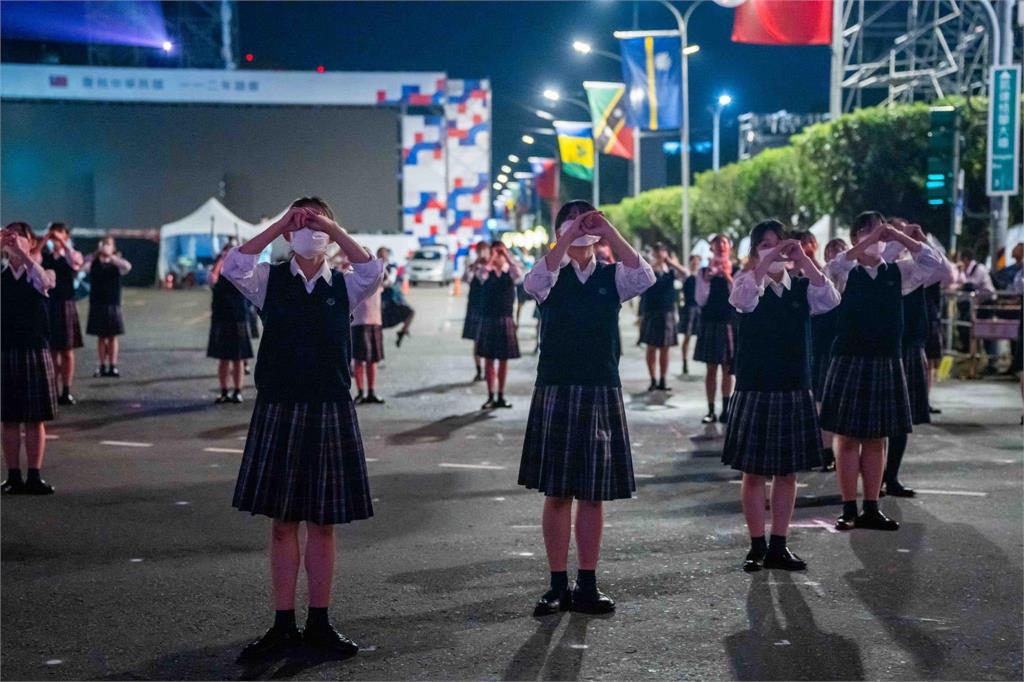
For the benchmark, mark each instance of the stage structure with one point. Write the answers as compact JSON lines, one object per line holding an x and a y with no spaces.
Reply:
{"x":901,"y":51}
{"x":442,"y":127}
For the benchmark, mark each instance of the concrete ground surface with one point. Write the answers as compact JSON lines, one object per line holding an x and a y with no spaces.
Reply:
{"x":138,"y":568}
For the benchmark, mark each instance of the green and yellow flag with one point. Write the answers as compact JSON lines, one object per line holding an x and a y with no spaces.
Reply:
{"x":576,"y":147}
{"x":608,"y":111}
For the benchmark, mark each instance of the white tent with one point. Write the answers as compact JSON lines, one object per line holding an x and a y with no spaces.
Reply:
{"x":199,"y":236}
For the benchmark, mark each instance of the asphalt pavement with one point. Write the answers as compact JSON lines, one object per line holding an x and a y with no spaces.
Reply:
{"x":139,"y":568}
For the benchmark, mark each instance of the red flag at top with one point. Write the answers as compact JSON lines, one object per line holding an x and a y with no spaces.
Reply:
{"x":783,"y":22}
{"x":545,"y":173}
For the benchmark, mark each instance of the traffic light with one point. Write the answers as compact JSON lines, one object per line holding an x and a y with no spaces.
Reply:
{"x":940,"y":180}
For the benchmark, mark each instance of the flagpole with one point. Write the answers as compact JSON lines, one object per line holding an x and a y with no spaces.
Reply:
{"x":637,"y":133}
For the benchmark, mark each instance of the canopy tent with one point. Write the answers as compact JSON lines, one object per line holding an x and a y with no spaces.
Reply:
{"x":194,"y":241}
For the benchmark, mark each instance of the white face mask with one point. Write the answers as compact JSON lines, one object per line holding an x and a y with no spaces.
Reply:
{"x":875,"y":249}
{"x":309,"y":243}
{"x":777,"y":266}
{"x":585,"y":240}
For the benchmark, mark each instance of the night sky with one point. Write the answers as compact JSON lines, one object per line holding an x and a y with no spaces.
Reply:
{"x":526,"y":46}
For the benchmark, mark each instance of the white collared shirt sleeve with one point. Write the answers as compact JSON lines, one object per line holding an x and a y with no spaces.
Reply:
{"x":746,"y":291}
{"x":42,"y":280}
{"x":247,"y":274}
{"x":364,"y":280}
{"x":539,"y":280}
{"x":838,"y":270}
{"x":122,"y":265}
{"x":822,"y":298}
{"x":74,"y":258}
{"x":924,"y":268}
{"x":892,"y":251}
{"x":515,"y":271}
{"x":702,"y":289}
{"x":630,"y":282}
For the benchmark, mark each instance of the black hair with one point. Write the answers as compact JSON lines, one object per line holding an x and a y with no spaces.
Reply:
{"x":967,"y":253}
{"x":865,"y":221}
{"x":764,"y":227}
{"x":571,"y":209}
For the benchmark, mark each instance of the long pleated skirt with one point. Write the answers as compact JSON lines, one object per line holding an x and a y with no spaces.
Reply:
{"x":915,"y":366}
{"x":497,"y":339}
{"x":658,"y":328}
{"x":65,"y":329}
{"x":716,"y":343}
{"x":577,"y":444}
{"x":304,"y":462}
{"x":866,"y":397}
{"x":772,"y":432}
{"x":229,"y":340}
{"x":28,"y":385}
{"x":367,"y":343}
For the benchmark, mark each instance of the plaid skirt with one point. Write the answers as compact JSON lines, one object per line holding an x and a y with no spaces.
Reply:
{"x":65,"y":329}
{"x":689,"y":320}
{"x":915,"y":366}
{"x":393,"y":314}
{"x":367,"y":343}
{"x":229,"y":340}
{"x":658,"y":328}
{"x":28,"y":391}
{"x":497,"y":339}
{"x":104,"y":320}
{"x":577,"y":444}
{"x":772,"y":432}
{"x":933,"y":344}
{"x":716,"y":343}
{"x":819,"y":372}
{"x":471,"y":325}
{"x":866,"y":397}
{"x":304,"y":462}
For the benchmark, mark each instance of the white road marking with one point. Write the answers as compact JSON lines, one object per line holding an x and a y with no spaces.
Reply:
{"x":578,"y":646}
{"x":498,"y":499}
{"x":489,"y":467}
{"x":135,"y":405}
{"x":182,"y":503}
{"x":54,"y":661}
{"x":816,"y":524}
{"x":372,"y":459}
{"x":126,"y":444}
{"x":643,"y":475}
{"x":232,"y":451}
{"x":525,"y":527}
{"x":215,"y":466}
{"x":135,"y":561}
{"x":524,"y":553}
{"x":965,"y":493}
{"x":739,"y":481}
{"x":903,"y":551}
{"x":52,"y":436}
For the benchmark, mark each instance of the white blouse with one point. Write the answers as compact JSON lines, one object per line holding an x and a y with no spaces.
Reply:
{"x":747,"y":292}
{"x":922,"y":269}
{"x":629,"y":282}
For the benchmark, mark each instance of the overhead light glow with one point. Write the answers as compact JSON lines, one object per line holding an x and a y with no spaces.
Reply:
{"x":167,"y":46}
{"x":691,"y":49}
{"x":506,"y":169}
{"x":502,"y":177}
{"x":513,"y":158}
{"x":552,"y":94}
{"x":528,"y":139}
{"x":496,"y":185}
{"x":546,"y":115}
{"x":249,"y":56}
{"x":581,"y":46}
{"x":724,"y":100}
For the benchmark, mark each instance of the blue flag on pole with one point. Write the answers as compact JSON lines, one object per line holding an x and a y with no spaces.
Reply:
{"x":652,"y":71}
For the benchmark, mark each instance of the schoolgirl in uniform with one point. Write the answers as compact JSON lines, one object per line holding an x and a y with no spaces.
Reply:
{"x":933,"y":344}
{"x":658,"y":324}
{"x":689,"y":312}
{"x":229,"y":341}
{"x":65,"y":330}
{"x":866,"y":399}
{"x":577,"y":443}
{"x":394,"y":310}
{"x":303,"y":459}
{"x":823,"y":335}
{"x":497,"y":342}
{"x":473,"y":277}
{"x":28,"y":392}
{"x":716,"y":343}
{"x":915,"y":364}
{"x":773,"y":423}
{"x":106,"y":267}
{"x":368,"y":346}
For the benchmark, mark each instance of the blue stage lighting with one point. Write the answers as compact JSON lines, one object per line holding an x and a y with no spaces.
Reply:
{"x":139,"y":23}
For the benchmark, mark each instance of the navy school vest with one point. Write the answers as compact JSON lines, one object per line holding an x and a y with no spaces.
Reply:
{"x":870,"y":322}
{"x":24,"y":313}
{"x":774,"y":342}
{"x":305,"y":352}
{"x":498,"y":295}
{"x":717,"y":307}
{"x":661,"y":296}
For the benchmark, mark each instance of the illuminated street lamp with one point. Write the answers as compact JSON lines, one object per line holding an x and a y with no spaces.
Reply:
{"x":528,"y":139}
{"x":513,"y":158}
{"x":723,"y":101}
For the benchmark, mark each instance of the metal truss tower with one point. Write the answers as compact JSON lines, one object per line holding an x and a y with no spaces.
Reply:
{"x":899,"y":51}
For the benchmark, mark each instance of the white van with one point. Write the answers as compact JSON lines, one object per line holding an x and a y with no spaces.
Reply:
{"x":431,"y":264}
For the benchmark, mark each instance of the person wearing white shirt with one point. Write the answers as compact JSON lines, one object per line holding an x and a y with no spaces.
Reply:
{"x":28,"y":391}
{"x":866,"y":399}
{"x":716,"y":341}
{"x":773,"y":428}
{"x":65,"y":329}
{"x":106,"y":267}
{"x":367,"y":347}
{"x":303,"y":459}
{"x":497,"y":340}
{"x":577,"y":443}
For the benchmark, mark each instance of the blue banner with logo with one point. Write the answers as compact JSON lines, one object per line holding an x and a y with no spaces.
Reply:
{"x":652,"y":70}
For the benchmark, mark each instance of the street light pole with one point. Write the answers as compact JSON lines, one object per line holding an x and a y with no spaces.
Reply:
{"x":681,"y":20}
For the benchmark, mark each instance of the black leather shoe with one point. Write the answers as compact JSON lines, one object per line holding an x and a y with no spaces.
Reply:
{"x":15,"y":487}
{"x":876,"y":520}
{"x":934,"y":410}
{"x":489,"y":405}
{"x":724,"y":417}
{"x":753,"y":563}
{"x":897,"y":489}
{"x":478,"y":376}
{"x":37,"y":486}
{"x":502,"y":403}
{"x":553,"y":601}
{"x":101,"y":371}
{"x":274,"y":643}
{"x":372,"y":399}
{"x":329,"y":641}
{"x":710,"y":418}
{"x":66,"y":399}
{"x":593,"y":603}
{"x":113,"y":372}
{"x":653,"y":386}
{"x":846,"y":522}
{"x":221,"y":399}
{"x":399,"y":337}
{"x":236,"y":397}
{"x":786,"y":561}
{"x":359,"y":399}
{"x":662,"y":386}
